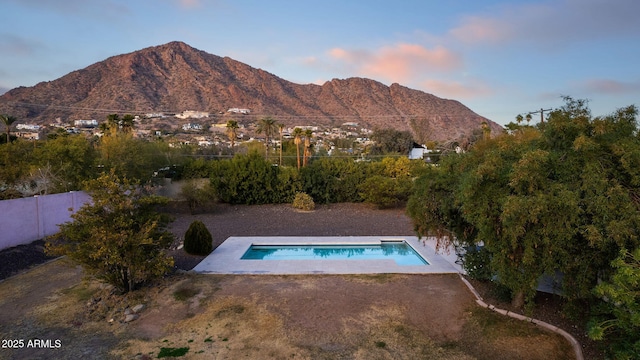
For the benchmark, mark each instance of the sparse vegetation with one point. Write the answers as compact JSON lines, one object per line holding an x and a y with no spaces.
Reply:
{"x":184,"y":293}
{"x":199,"y":196}
{"x":172,"y":352}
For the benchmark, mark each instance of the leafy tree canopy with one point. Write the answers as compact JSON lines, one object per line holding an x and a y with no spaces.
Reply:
{"x":391,"y":141}
{"x":118,"y":237}
{"x":561,"y":196}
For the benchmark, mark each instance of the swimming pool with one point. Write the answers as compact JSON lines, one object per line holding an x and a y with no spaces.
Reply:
{"x":399,"y":251}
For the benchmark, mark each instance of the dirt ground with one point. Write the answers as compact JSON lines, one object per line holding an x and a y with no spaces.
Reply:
{"x":264,"y":317}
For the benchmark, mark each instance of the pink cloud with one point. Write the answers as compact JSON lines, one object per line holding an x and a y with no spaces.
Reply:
{"x":398,"y":63}
{"x":454,"y":89}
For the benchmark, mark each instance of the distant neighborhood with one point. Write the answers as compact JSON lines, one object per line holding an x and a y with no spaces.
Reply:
{"x":203,"y":129}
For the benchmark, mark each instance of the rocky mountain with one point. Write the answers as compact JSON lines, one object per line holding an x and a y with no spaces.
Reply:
{"x":175,"y":77}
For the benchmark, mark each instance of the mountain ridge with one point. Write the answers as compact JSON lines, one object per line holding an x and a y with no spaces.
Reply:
{"x":175,"y":77}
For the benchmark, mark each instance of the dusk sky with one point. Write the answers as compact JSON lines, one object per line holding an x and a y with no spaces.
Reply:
{"x":499,"y":58}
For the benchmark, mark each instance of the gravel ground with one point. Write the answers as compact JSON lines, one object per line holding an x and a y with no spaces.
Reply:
{"x":19,"y":258}
{"x":283,"y":220}
{"x":226,"y":220}
{"x":349,"y":219}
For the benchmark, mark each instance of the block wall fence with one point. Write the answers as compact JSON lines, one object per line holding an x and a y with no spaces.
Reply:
{"x":25,"y":220}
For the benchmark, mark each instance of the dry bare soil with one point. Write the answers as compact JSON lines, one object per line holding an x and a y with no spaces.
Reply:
{"x":195,"y":316}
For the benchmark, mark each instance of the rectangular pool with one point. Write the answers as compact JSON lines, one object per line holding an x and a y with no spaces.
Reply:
{"x":399,"y":251}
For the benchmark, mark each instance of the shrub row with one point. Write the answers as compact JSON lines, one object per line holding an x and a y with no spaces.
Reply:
{"x":250,"y":179}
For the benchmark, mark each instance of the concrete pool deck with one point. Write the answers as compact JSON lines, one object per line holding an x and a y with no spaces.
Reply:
{"x":225,"y":259}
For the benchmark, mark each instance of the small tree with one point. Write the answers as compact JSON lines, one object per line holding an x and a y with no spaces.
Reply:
{"x":232,"y":131}
{"x":197,"y":239}
{"x":118,"y":237}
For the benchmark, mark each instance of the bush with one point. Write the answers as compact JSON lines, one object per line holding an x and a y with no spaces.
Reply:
{"x":198,"y":196}
{"x":197,"y":239}
{"x":381,"y":191}
{"x":246,"y":179}
{"x":303,"y":201}
{"x":477,"y":263}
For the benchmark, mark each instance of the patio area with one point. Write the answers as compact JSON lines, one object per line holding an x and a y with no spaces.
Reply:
{"x":226,"y":258}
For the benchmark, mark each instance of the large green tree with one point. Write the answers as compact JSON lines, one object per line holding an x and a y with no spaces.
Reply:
{"x":132,"y":158}
{"x":619,"y":318}
{"x":118,"y":237}
{"x":391,"y":141}
{"x":562,"y":196}
{"x":70,"y":160}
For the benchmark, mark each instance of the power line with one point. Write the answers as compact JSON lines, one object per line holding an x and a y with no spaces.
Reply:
{"x":541,"y":111}
{"x":218,"y":115}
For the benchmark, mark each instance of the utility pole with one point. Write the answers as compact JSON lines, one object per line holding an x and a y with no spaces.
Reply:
{"x":541,"y":111}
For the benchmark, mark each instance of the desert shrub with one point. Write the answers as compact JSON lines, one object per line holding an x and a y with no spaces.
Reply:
{"x":197,"y":239}
{"x":379,"y":190}
{"x":303,"y":201}
{"x":172,"y":352}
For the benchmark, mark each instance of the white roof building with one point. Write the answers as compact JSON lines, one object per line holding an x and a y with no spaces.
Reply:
{"x":192,"y":114}
{"x":239,"y":111}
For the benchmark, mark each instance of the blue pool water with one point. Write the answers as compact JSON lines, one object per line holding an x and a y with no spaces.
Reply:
{"x":400,"y":251}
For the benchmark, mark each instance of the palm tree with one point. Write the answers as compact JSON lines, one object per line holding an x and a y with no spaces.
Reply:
{"x":486,"y":130}
{"x":104,"y":127}
{"x":307,"y":146}
{"x":8,"y":120}
{"x":232,"y":131}
{"x":297,"y":132}
{"x":127,"y":123}
{"x":281,"y":131}
{"x":268,"y":127}
{"x":113,"y":122}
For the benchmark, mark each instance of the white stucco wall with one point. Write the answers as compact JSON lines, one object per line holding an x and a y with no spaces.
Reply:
{"x":28,"y":219}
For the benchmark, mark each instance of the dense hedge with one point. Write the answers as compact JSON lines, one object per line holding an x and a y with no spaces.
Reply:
{"x":250,"y":179}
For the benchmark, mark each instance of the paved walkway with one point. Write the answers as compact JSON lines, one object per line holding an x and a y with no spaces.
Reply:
{"x":225,"y":259}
